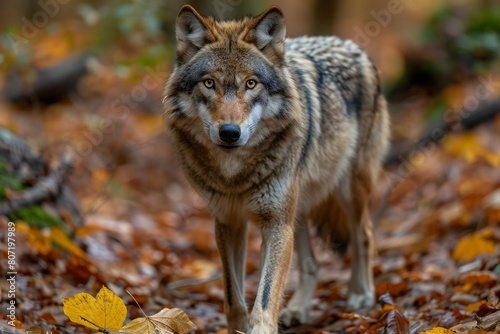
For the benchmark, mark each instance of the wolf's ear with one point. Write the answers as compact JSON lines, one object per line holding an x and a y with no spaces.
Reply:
{"x":268,"y":32}
{"x":192,"y":33}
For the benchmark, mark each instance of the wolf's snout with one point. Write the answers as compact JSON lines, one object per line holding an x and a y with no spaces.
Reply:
{"x":229,"y":133}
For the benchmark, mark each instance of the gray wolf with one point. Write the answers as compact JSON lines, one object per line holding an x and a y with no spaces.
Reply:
{"x":284,"y":133}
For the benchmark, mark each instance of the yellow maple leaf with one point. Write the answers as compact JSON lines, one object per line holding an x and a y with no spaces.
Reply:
{"x":438,"y":330}
{"x":105,"y":312}
{"x":473,"y":245}
{"x":167,"y":321}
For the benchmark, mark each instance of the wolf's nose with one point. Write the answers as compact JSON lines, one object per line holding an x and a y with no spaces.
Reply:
{"x":229,"y":132}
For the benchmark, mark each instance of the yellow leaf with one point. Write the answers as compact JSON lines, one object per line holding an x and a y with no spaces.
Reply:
{"x":472,"y":307}
{"x":485,"y":232}
{"x":465,"y":144}
{"x":388,"y":307}
{"x":473,"y":245}
{"x":105,"y":312}
{"x":39,"y":240}
{"x":492,"y":158}
{"x":469,"y":148}
{"x":62,"y":240}
{"x":167,"y":321}
{"x":438,"y":330}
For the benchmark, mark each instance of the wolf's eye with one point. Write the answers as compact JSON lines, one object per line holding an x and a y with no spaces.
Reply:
{"x":209,"y":83}
{"x":251,"y":84}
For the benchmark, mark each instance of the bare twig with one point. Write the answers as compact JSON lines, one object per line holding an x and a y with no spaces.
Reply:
{"x":173,"y":286}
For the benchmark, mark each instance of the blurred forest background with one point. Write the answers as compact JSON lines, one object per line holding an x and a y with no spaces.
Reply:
{"x":96,"y":195}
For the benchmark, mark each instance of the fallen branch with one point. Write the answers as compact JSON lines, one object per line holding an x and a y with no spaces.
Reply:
{"x":23,"y":162}
{"x":49,"y":84}
{"x":45,"y":188}
{"x":467,"y":121}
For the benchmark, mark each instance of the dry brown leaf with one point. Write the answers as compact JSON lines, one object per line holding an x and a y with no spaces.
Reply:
{"x":484,"y":278}
{"x":396,"y":323}
{"x":386,"y":299}
{"x":489,"y":322}
{"x":468,"y":327}
{"x":167,"y":321}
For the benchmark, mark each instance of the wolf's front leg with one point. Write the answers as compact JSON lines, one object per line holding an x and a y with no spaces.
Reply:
{"x":231,"y":240}
{"x":297,"y":310}
{"x":276,"y":255}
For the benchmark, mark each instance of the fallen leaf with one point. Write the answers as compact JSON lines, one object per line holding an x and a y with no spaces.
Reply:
{"x":489,"y":322}
{"x":493,"y":299}
{"x":484,"y":278}
{"x":396,"y":323}
{"x":167,"y":321}
{"x":39,"y":240}
{"x":473,"y":245}
{"x":105,"y":312}
{"x":469,"y":148}
{"x":395,"y":289}
{"x":451,"y":318}
{"x":61,"y":239}
{"x":438,"y":330}
{"x":474,"y":306}
{"x":466,"y":327}
{"x":385,"y":299}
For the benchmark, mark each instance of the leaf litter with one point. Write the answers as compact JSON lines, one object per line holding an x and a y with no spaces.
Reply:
{"x":437,"y":232}
{"x":437,"y":239}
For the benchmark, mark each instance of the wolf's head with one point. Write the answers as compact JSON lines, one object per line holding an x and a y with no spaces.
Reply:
{"x":229,"y":78}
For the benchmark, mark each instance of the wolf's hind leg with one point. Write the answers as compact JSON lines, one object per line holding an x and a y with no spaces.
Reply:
{"x":361,"y":288}
{"x":297,"y":310}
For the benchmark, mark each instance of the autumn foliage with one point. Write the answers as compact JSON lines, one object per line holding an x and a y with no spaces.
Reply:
{"x":144,"y":231}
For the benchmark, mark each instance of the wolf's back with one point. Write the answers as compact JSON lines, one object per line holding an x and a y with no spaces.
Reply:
{"x":339,"y":68}
{"x":343,"y":109}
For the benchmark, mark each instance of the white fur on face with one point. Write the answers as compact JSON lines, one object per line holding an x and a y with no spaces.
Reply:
{"x":249,"y":126}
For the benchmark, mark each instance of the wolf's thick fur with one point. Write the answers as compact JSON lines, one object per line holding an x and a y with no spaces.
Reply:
{"x":280,"y":132}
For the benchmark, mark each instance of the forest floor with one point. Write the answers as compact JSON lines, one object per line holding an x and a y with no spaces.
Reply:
{"x":436,"y":216}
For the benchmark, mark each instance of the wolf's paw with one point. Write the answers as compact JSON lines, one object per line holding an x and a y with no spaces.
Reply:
{"x":359,"y":300}
{"x":292,"y":316}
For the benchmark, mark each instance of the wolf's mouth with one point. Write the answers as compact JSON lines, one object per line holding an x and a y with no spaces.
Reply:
{"x":227,"y":148}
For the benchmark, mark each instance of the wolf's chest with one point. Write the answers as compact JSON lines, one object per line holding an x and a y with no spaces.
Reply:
{"x":230,"y":166}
